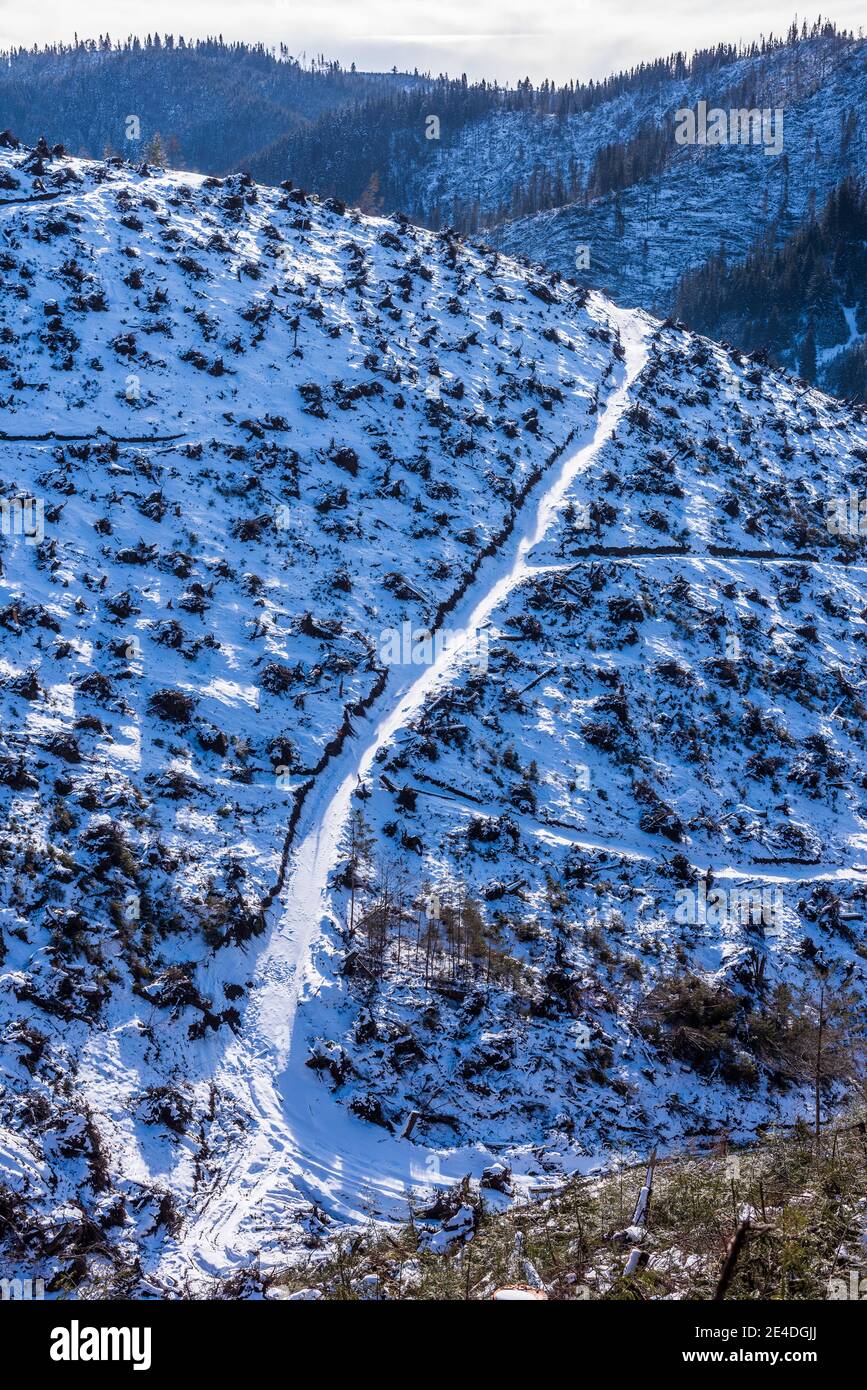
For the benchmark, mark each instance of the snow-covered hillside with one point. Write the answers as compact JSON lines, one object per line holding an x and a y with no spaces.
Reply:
{"x":250,"y":433}
{"x":293,"y":921}
{"x":672,"y":710}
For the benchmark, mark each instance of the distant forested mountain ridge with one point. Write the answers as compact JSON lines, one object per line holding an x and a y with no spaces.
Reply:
{"x":495,"y":152}
{"x":210,"y":102}
{"x":498,"y":154}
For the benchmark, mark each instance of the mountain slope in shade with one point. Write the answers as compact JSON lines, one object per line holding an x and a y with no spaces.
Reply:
{"x":646,"y":235}
{"x":816,"y":285}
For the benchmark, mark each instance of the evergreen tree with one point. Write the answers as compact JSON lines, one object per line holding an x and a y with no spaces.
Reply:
{"x":807,"y":361}
{"x":154,"y":153}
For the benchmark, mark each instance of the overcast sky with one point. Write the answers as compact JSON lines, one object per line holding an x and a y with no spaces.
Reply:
{"x":484,"y":38}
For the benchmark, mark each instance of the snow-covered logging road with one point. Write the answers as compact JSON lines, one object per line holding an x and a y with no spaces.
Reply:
{"x":300,"y":1145}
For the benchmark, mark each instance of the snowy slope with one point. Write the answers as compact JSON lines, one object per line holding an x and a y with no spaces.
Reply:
{"x":260,"y":432}
{"x":264,"y":432}
{"x":734,"y":761}
{"x":673,"y":706}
